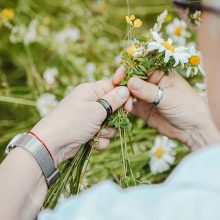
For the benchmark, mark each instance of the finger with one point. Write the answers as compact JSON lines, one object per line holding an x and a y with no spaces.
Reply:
{"x":118,"y":76}
{"x":102,"y":143}
{"x":96,"y":89}
{"x":142,"y":110}
{"x":143,"y":90}
{"x":107,"y":132}
{"x":102,"y":87}
{"x":117,"y":97}
{"x":155,"y":77}
{"x":155,"y":120}
{"x":129,"y":104}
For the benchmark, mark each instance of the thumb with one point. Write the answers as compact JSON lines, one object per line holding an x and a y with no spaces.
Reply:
{"x":143,"y":90}
{"x":116,"y":98}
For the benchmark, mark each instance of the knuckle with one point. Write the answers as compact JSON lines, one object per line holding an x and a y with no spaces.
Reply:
{"x":152,"y":93}
{"x":149,"y":93}
{"x":115,"y":98}
{"x":81,"y":86}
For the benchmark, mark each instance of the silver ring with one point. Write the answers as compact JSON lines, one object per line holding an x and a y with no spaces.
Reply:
{"x":159,"y":97}
{"x":106,"y":106}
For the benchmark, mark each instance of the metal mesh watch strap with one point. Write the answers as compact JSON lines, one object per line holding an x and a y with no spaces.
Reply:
{"x":39,"y":152}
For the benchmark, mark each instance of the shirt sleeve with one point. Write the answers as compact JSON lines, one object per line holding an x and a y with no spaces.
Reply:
{"x":191,"y":192}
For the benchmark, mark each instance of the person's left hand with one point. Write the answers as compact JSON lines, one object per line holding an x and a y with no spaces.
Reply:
{"x":78,"y":118}
{"x":182,"y":114}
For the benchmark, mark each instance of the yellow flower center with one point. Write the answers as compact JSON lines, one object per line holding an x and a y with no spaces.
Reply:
{"x":49,"y":106}
{"x":195,"y":60}
{"x":131,"y":49}
{"x":178,"y":31}
{"x":7,"y":14}
{"x":168,"y":46}
{"x":159,"y":152}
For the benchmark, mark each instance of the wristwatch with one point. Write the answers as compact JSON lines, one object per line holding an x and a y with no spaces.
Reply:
{"x":39,"y":152}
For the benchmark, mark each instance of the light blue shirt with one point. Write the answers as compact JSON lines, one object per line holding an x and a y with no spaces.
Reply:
{"x":191,"y":192}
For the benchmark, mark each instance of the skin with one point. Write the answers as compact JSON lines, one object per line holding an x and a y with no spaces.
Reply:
{"x":210,"y":32}
{"x":63,"y":133}
{"x":175,"y":116}
{"x":182,"y":115}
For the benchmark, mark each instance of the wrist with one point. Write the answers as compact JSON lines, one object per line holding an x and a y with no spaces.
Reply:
{"x":24,"y":178}
{"x":48,"y":140}
{"x":203,"y":136}
{"x":56,"y":142}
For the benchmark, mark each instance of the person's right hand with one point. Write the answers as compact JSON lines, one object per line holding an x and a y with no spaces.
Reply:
{"x":79,"y":117}
{"x":182,"y":114}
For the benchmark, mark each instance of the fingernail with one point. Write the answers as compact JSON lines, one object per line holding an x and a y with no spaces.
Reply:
{"x":123,"y":92}
{"x":136,"y":84}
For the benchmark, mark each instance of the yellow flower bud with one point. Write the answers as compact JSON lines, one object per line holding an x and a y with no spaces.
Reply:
{"x":7,"y":14}
{"x":132,"y":17}
{"x":128,"y":20}
{"x":168,"y":18}
{"x":137,"y":23}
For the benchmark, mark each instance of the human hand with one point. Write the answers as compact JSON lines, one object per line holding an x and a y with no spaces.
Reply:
{"x":182,"y":114}
{"x":79,"y":117}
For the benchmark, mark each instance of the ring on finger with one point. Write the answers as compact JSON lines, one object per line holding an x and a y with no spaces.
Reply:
{"x":106,"y":106}
{"x":159,"y":97}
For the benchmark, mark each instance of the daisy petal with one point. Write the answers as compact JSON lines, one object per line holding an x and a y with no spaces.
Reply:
{"x":168,"y":54}
{"x":170,"y":41}
{"x":176,"y":60}
{"x":157,"y":37}
{"x":188,"y":72}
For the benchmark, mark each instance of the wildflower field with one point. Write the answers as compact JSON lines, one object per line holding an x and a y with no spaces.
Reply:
{"x":49,"y":47}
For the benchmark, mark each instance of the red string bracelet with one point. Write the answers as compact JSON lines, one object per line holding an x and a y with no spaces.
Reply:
{"x":30,"y":132}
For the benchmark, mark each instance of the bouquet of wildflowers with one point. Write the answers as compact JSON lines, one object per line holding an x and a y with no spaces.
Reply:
{"x":144,"y":54}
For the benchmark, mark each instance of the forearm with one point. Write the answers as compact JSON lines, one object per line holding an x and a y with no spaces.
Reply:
{"x":22,"y":186}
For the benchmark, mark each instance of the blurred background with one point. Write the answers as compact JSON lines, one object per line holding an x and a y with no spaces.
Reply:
{"x":48,"y":47}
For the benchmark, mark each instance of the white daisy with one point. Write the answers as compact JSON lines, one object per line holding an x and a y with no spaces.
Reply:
{"x":71,"y":34}
{"x":178,"y":31}
{"x":50,"y":75}
{"x":196,"y":18}
{"x":195,"y":63}
{"x":179,"y":54}
{"x":31,"y":34}
{"x":162,"y":154}
{"x":17,"y":34}
{"x":90,"y":71}
{"x":118,"y":59}
{"x":46,"y":103}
